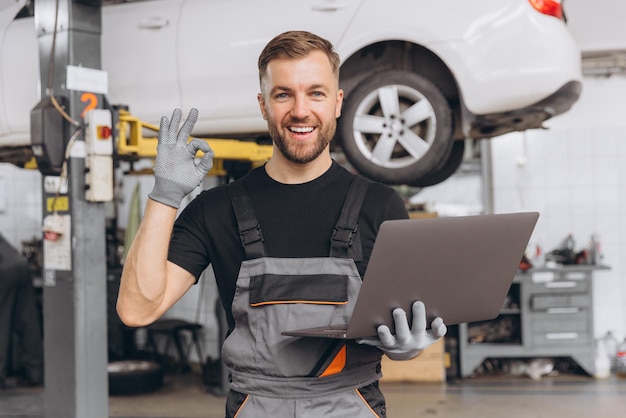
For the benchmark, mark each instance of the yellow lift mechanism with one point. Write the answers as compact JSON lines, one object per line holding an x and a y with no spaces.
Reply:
{"x":132,"y":143}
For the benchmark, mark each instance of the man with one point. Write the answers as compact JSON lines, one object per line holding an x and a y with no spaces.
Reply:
{"x":19,"y":317}
{"x":286,"y":251}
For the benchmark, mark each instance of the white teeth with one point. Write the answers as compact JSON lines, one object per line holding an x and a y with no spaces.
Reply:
{"x":300,"y":129}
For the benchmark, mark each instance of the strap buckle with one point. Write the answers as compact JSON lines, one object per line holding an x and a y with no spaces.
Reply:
{"x":345,"y":235}
{"x":251,"y":235}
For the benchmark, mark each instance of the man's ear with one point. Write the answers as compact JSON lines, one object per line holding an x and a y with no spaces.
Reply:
{"x":261,"y":101}
{"x":339,"y":103}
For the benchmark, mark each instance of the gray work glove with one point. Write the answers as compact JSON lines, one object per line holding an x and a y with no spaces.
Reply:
{"x":177,"y":173}
{"x":408,"y":342}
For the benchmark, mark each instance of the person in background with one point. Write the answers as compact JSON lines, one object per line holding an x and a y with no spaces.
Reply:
{"x":19,"y":317}
{"x":289,"y":244}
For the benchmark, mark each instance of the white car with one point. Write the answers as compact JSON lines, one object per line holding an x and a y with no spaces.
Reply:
{"x":420,"y":76}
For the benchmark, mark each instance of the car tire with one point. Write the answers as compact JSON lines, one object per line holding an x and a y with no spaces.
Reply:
{"x":379,"y":141}
{"x":449,"y":167}
{"x":131,"y":377}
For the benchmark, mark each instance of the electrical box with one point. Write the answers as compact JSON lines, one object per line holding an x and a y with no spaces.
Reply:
{"x":49,"y":133}
{"x":99,"y":158}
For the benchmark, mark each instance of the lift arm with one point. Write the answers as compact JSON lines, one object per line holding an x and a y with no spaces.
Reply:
{"x":133,"y":144}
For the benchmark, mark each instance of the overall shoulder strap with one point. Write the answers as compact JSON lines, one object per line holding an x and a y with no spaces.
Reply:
{"x":249,"y":228}
{"x":345,"y":241}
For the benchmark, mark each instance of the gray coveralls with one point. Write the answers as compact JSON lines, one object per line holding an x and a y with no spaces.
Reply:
{"x":277,"y":376}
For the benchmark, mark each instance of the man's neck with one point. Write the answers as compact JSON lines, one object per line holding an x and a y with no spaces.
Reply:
{"x":288,"y":172}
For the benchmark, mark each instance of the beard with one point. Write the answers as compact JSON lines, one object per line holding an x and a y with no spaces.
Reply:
{"x":301,"y":153}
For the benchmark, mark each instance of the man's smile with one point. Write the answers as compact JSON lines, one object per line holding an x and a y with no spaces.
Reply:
{"x":301,"y":129}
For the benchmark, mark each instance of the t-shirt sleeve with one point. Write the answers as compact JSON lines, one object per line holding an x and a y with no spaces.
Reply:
{"x":188,"y":245}
{"x":396,"y":207}
{"x":384,"y":203}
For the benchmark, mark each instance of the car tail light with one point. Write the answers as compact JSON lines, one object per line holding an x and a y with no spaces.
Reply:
{"x":548,"y":7}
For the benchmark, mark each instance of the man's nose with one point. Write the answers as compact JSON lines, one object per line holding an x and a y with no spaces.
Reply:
{"x":300,"y":107}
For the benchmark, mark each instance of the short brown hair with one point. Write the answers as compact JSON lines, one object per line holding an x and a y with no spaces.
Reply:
{"x":296,"y":44}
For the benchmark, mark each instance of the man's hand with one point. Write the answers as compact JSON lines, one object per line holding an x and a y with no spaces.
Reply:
{"x":408,"y":342}
{"x":177,"y":173}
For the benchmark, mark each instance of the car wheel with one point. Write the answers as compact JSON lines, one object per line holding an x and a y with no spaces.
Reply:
{"x":449,"y":167}
{"x":396,"y":127}
{"x":130,"y":377}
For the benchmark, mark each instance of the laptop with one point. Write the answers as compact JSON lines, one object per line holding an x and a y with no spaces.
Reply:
{"x":460,"y":267}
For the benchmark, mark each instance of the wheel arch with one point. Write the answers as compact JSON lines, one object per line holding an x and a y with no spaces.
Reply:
{"x":403,"y":55}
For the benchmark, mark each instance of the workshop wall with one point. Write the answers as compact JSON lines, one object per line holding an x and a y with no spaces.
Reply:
{"x":20,"y":204}
{"x":574,"y":174}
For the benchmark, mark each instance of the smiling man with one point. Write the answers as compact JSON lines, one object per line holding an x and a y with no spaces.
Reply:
{"x":301,"y":100}
{"x":289,"y":244}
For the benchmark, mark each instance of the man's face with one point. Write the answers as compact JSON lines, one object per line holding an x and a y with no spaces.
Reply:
{"x":301,"y":100}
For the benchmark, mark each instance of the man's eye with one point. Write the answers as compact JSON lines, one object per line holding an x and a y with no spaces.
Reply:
{"x":317,"y":94}
{"x":281,"y":96}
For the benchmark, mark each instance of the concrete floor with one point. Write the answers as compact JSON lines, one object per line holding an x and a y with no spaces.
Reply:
{"x":572,"y":396}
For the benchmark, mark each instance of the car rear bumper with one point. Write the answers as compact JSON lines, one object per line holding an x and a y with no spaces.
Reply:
{"x":513,"y":62}
{"x":530,"y":117}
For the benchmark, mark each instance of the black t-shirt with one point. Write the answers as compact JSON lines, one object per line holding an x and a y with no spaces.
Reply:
{"x":297,"y":220}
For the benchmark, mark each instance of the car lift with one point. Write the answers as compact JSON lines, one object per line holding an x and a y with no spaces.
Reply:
{"x":133,"y":142}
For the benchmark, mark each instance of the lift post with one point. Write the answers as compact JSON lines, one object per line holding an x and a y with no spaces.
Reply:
{"x":74,"y":272}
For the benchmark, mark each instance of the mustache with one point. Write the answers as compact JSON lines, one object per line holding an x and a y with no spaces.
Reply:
{"x":302,"y":121}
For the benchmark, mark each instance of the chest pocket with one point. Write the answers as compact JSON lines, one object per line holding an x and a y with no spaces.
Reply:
{"x":323,"y":289}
